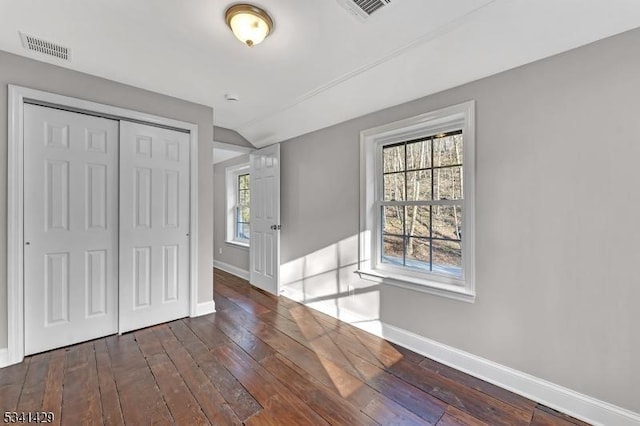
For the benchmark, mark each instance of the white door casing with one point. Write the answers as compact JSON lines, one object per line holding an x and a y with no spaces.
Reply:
{"x":70,"y":227}
{"x":154,"y":225}
{"x":265,"y":219}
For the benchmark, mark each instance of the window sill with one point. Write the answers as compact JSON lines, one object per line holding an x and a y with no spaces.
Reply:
{"x":422,"y":285}
{"x":238,"y":244}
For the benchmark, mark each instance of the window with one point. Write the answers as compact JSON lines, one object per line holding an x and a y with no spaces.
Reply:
{"x":238,"y":187}
{"x":417,"y":206}
{"x":242,"y":209}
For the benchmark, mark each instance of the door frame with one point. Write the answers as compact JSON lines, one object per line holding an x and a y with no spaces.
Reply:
{"x":17,"y":97}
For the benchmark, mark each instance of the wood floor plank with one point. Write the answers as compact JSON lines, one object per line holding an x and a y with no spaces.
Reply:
{"x":259,"y":296}
{"x":306,"y":330}
{"x":421,"y":403}
{"x":283,"y":343}
{"x":245,"y":303}
{"x":242,"y":402}
{"x":543,"y":414}
{"x":140,"y":397}
{"x":325,"y":370}
{"x":351,"y":388}
{"x":211,"y":401}
{"x":387,"y":412}
{"x":407,"y":354}
{"x":476,"y":403}
{"x":222,"y":303}
{"x":33,"y":389}
{"x":148,"y":344}
{"x":210,"y":336}
{"x":541,"y":418}
{"x":181,"y":403}
{"x":288,"y":327}
{"x":12,"y":379}
{"x":478,"y":384}
{"x":276,"y":413}
{"x":327,"y":404}
{"x":267,"y":390}
{"x":264,"y":418}
{"x":81,"y":393}
{"x":243,"y":338}
{"x":111,"y":411}
{"x":52,"y":399}
{"x":455,"y":417}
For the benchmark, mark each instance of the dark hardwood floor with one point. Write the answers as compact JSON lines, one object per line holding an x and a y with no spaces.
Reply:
{"x":259,"y":361}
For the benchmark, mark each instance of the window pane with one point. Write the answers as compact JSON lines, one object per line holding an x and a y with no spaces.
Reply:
{"x":393,"y":217}
{"x":243,"y":181}
{"x":393,"y":158}
{"x":447,"y":222}
{"x":243,"y":214}
{"x":447,"y":258}
{"x":447,"y":151}
{"x":392,"y":249}
{"x":419,"y":155}
{"x":418,"y":221}
{"x":394,"y":187}
{"x":244,"y":198}
{"x":448,"y":183}
{"x":244,"y":231}
{"x":418,"y":255}
{"x":419,"y":185}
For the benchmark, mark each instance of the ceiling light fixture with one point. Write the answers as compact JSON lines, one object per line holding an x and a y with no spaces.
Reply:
{"x":249,"y":24}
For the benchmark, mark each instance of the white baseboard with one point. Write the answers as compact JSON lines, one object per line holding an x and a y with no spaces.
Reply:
{"x":4,"y":357}
{"x":205,"y":308}
{"x":238,"y":272}
{"x":570,"y":402}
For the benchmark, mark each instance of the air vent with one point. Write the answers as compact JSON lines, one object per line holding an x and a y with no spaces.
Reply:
{"x":363,"y":8}
{"x":43,"y":46}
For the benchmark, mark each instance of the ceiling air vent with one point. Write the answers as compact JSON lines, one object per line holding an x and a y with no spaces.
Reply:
{"x":43,"y":46}
{"x":363,"y":8}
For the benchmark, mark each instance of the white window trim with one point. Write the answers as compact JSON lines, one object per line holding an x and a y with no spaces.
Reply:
{"x":231,"y":189}
{"x":461,"y":116}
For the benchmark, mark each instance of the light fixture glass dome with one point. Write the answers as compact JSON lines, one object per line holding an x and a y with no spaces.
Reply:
{"x":250,"y":24}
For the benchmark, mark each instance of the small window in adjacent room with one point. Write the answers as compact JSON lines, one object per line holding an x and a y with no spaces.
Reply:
{"x":417,"y":209}
{"x":238,"y":186}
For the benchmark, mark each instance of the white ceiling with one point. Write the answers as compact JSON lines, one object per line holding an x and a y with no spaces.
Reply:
{"x":321,"y":65}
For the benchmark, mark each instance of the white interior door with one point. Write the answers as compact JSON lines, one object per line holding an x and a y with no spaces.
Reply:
{"x":70,"y":227}
{"x":154,"y":225}
{"x":265,"y":219}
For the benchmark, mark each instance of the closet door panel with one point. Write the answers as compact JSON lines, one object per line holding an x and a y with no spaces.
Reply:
{"x":70,"y":227}
{"x":154,"y":225}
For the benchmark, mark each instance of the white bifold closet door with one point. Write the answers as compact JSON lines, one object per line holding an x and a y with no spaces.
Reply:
{"x":70,"y":227}
{"x":154,"y":225}
{"x":106,"y":227}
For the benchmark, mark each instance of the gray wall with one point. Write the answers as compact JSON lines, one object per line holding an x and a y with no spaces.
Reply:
{"x":38,"y":75}
{"x":222,"y":134}
{"x":231,"y":254}
{"x":556,"y":227}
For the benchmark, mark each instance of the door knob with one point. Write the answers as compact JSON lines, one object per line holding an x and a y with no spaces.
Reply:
{"x":276,"y":227}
